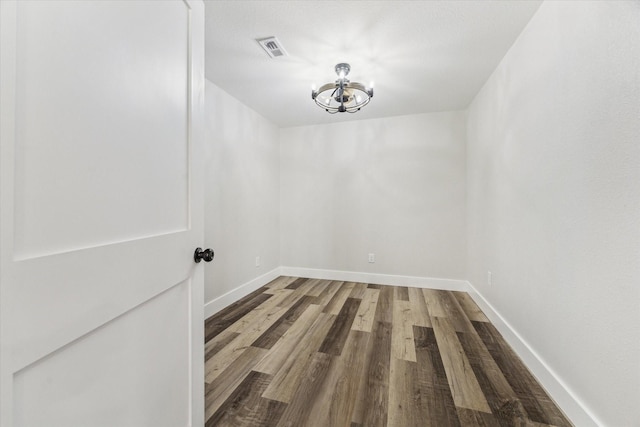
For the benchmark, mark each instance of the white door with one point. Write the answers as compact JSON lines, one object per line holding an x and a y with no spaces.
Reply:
{"x":101,"y":304}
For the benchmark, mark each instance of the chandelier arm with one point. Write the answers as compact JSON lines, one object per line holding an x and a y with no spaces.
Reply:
{"x":342,"y":107}
{"x":327,"y":108}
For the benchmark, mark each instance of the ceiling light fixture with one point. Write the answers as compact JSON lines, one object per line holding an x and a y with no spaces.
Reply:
{"x":342,"y":95}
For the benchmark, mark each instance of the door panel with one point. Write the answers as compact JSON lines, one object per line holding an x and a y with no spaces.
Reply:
{"x":63,"y":387}
{"x":93,"y":106}
{"x":101,"y":304}
{"x":82,"y":290}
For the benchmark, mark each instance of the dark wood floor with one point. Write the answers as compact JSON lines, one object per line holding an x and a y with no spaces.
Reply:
{"x":306,"y":352}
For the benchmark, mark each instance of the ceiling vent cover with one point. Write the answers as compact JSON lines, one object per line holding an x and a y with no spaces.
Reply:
{"x":272,"y":46}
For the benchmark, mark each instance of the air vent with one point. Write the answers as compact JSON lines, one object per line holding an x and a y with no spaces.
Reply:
{"x":272,"y":46}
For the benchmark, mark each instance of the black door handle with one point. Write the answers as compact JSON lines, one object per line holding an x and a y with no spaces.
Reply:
{"x":206,"y":255}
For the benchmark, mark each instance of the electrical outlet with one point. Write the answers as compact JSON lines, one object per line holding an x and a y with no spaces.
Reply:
{"x":372,"y":258}
{"x":257,"y":261}
{"x":489,"y":278}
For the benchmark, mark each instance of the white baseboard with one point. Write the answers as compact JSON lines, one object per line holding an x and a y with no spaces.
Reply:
{"x":377,"y":279}
{"x":566,"y":400}
{"x":234,"y":295}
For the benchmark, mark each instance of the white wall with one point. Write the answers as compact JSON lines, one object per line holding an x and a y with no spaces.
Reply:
{"x":394,"y":187}
{"x":554,"y":198}
{"x":242,"y":193}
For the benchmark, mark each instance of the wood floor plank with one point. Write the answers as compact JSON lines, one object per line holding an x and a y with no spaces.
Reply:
{"x":334,"y":405}
{"x":229,"y":315}
{"x":279,"y":353}
{"x":311,"y":382}
{"x":287,"y":379}
{"x":464,"y":386}
{"x":326,"y":295}
{"x":220,"y":341}
{"x":402,"y":293}
{"x":357,"y":417}
{"x":406,"y":405}
{"x":215,"y":365}
{"x":282,"y":325}
{"x":535,"y":400}
{"x":280,"y":283}
{"x":469,"y":417}
{"x":376,"y":394}
{"x":358,"y":291}
{"x":514,"y":414}
{"x":214,"y":345}
{"x":384,"y":310}
{"x":246,"y":407}
{"x":296,"y":283}
{"x":366,"y":311}
{"x":335,"y":304}
{"x":419,"y":308}
{"x":301,"y":291}
{"x":456,"y":314}
{"x":337,"y":335}
{"x":469,"y":307}
{"x":316,"y":286}
{"x":257,"y":314}
{"x":309,"y":287}
{"x":402,"y":345}
{"x":223,"y":386}
{"x":444,"y":305}
{"x":432,"y":379}
{"x":501,"y":398}
{"x":433,"y":300}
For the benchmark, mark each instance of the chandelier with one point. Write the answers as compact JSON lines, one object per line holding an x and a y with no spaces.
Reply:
{"x":342,"y":95}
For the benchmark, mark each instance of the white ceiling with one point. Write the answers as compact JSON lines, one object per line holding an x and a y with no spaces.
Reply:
{"x":424,"y":56}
